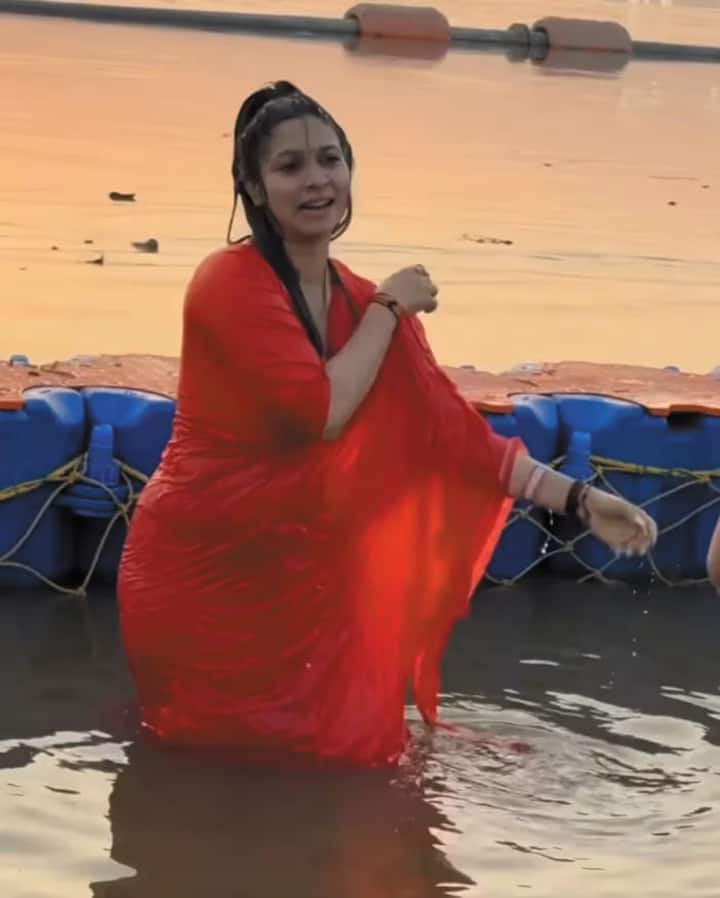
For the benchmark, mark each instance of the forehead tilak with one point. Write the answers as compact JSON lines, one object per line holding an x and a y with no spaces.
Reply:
{"x":305,"y":143}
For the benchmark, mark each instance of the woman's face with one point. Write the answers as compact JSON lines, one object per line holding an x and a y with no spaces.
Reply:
{"x":306,"y":179}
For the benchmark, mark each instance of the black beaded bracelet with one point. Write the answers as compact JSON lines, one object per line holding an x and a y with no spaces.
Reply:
{"x":572,"y":503}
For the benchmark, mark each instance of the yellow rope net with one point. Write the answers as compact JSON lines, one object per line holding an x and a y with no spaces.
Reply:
{"x":74,"y":472}
{"x":62,"y":478}
{"x":601,"y":468}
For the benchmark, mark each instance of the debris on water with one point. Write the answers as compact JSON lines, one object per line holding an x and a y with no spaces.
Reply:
{"x":146,"y":246}
{"x":117,"y":197}
{"x":497,"y":241}
{"x":99,"y":261}
{"x":527,"y":368}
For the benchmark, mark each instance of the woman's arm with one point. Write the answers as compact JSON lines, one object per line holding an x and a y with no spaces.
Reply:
{"x":624,"y":527}
{"x":237,"y":315}
{"x":353,"y":371}
{"x":542,"y":486}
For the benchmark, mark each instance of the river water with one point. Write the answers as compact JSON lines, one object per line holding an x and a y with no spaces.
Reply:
{"x":601,"y":186}
{"x":615,"y":692}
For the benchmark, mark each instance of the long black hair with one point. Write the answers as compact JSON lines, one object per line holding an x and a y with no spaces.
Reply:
{"x":261,"y":112}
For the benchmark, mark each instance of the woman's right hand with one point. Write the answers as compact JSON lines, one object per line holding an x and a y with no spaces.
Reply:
{"x":412,"y":288}
{"x":625,"y":528}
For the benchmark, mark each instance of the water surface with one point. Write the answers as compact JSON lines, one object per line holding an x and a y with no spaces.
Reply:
{"x":602,"y":188}
{"x":616,"y":692}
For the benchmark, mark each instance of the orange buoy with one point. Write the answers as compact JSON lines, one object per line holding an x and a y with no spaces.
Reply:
{"x":584,"y":34}
{"x":384,"y":20}
{"x":148,"y":373}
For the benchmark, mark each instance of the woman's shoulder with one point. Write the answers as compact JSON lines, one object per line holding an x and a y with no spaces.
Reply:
{"x":229,"y":262}
{"x":232,"y":273}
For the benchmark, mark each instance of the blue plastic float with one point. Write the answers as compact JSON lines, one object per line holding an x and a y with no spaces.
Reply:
{"x":46,"y":433}
{"x":595,"y":426}
{"x":138,"y":427}
{"x":114,"y":434}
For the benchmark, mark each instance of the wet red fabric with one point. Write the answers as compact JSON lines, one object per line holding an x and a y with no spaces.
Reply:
{"x":278,"y":592}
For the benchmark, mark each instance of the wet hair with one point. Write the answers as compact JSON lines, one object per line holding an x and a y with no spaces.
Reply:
{"x":259,"y":115}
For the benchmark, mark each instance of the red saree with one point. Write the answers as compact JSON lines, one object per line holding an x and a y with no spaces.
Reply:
{"x":278,"y":592}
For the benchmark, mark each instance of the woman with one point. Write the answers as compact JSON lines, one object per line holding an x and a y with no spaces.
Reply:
{"x":327,"y":501}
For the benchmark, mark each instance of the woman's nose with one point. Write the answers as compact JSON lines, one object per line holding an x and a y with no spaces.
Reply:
{"x":316,"y":174}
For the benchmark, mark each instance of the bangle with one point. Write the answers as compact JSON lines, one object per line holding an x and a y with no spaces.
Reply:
{"x":583,"y":511}
{"x":388,"y":303}
{"x":533,"y":482}
{"x":575,"y":502}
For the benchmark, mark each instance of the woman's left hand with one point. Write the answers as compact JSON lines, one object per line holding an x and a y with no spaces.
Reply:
{"x":622,"y":526}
